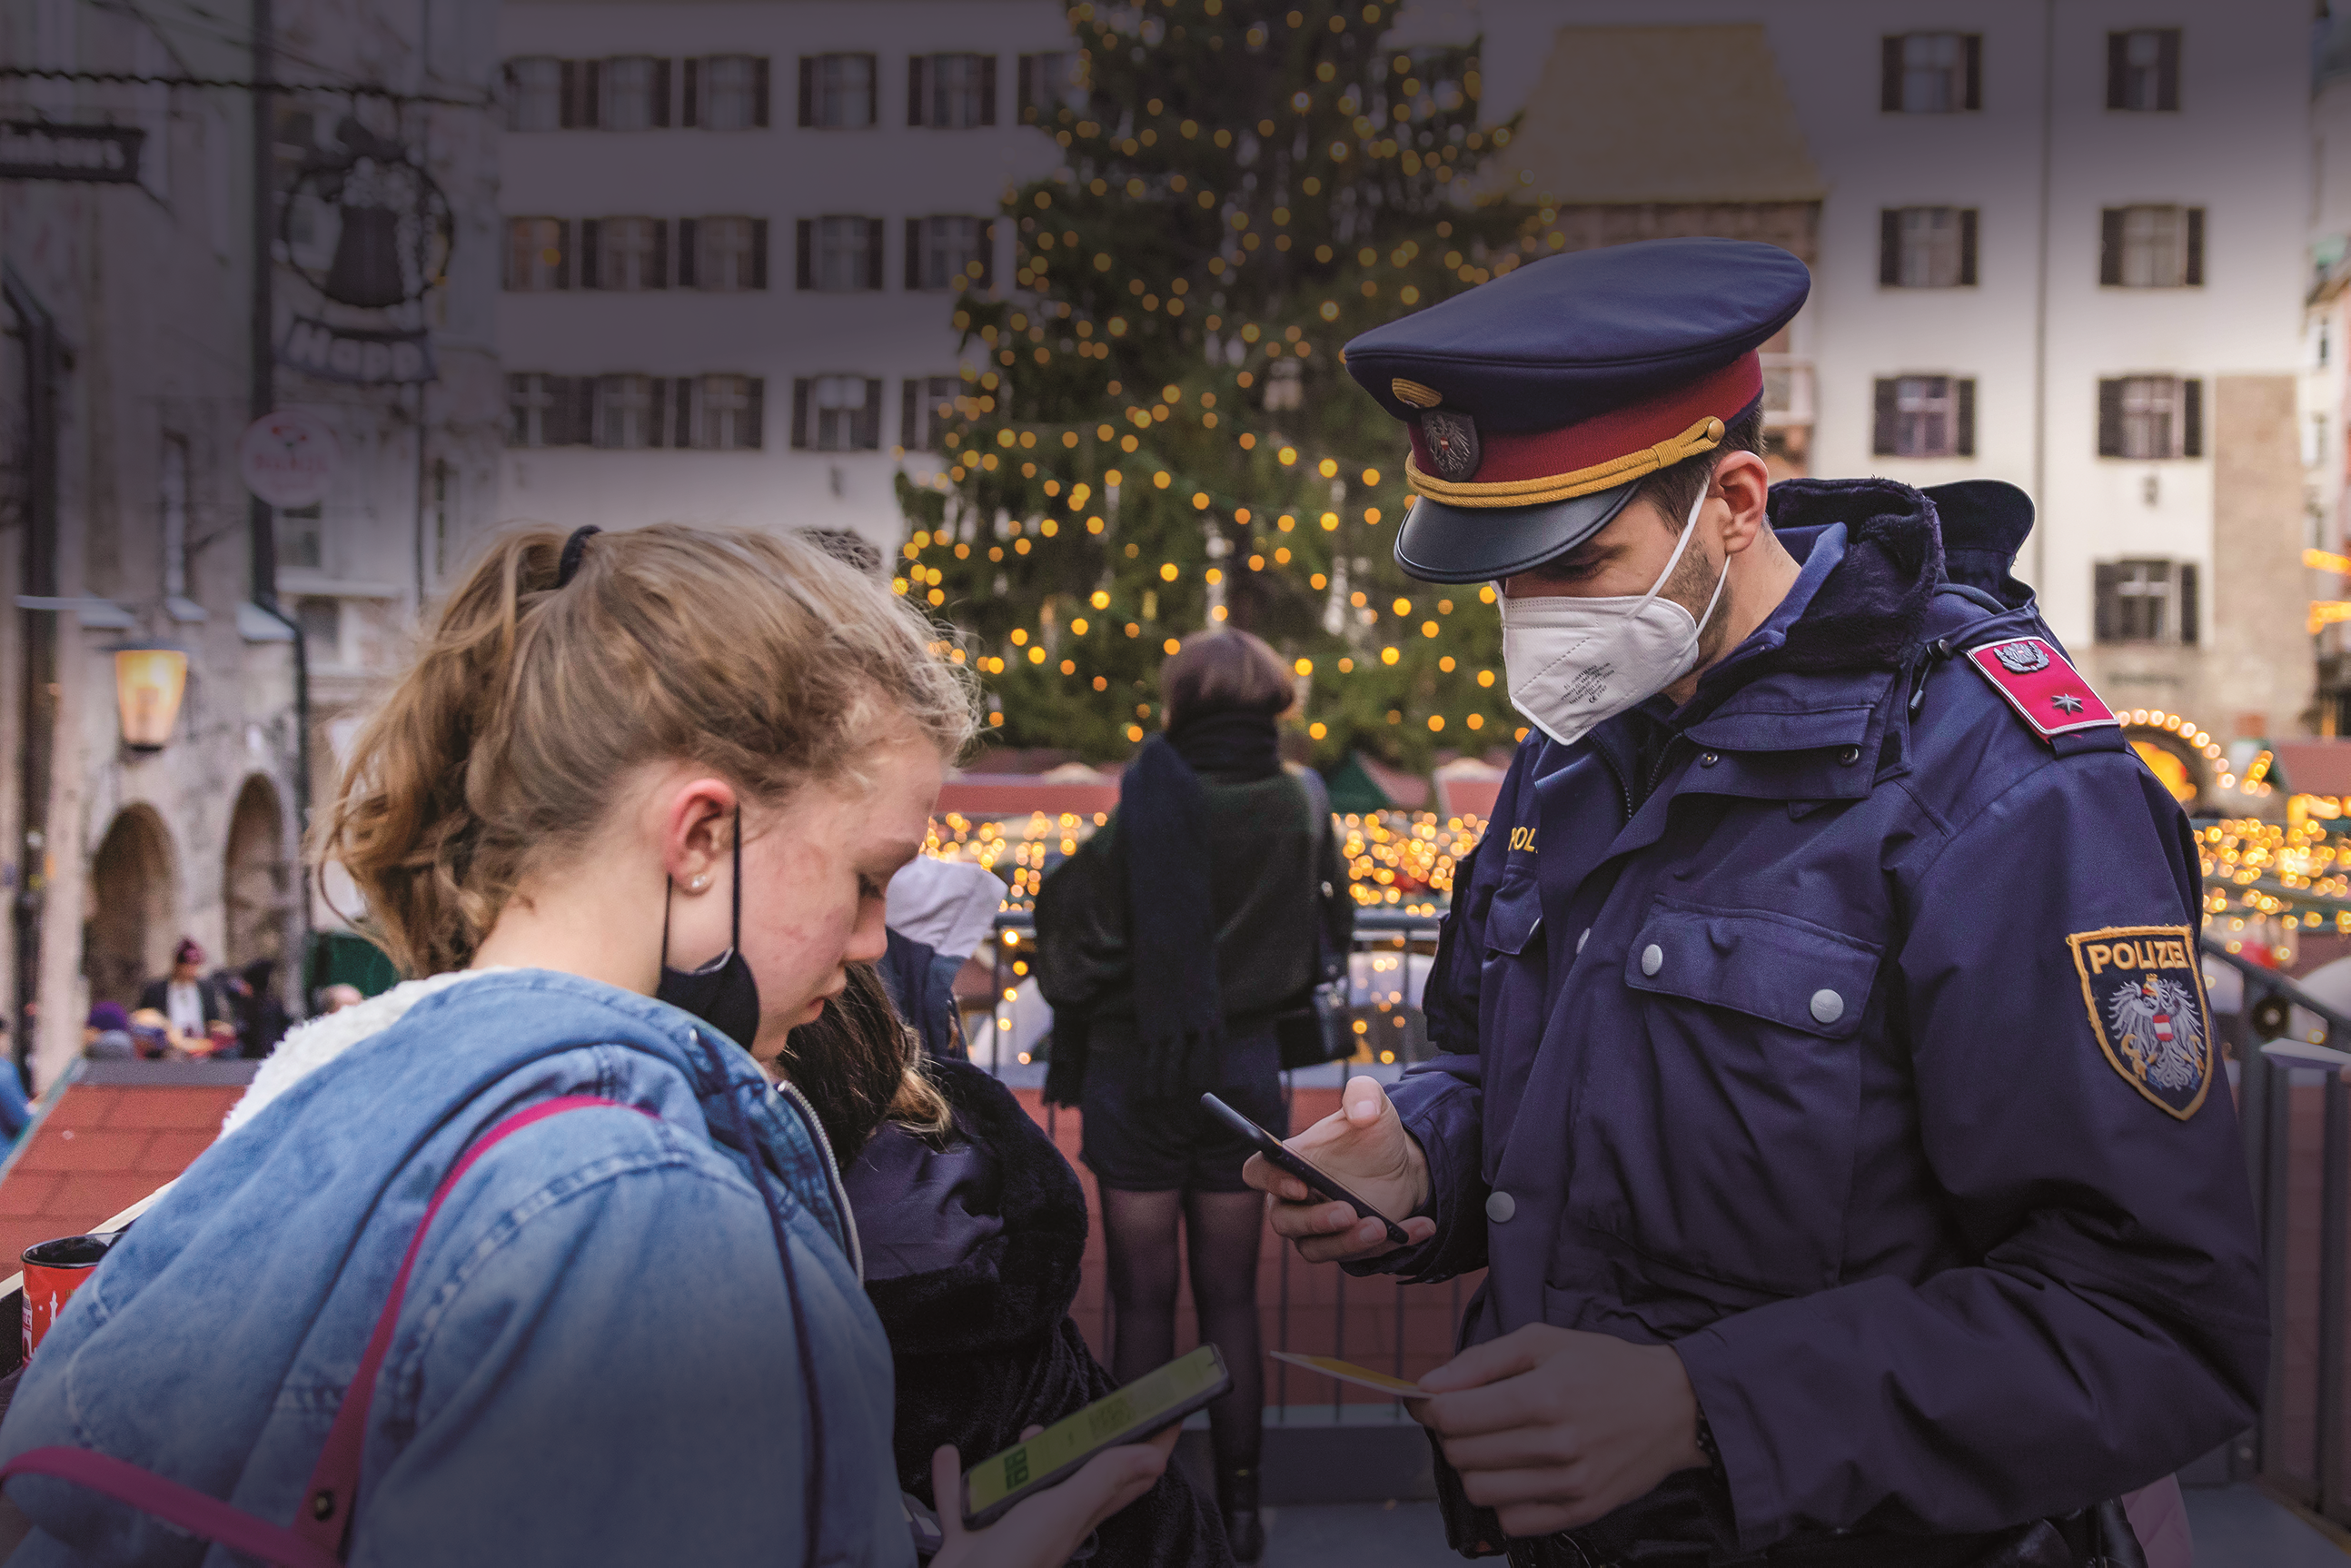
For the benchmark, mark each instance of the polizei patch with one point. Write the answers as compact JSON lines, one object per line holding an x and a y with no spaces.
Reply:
{"x":2146,"y":998}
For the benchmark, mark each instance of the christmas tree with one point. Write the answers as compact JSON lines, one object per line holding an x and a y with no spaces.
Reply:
{"x":1163,"y":437}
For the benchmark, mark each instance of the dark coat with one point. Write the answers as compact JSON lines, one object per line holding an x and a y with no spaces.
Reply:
{"x":1794,"y":1028}
{"x":156,"y":994}
{"x":972,"y":1254}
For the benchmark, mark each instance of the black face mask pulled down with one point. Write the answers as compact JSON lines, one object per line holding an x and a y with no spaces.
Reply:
{"x":722,"y":993}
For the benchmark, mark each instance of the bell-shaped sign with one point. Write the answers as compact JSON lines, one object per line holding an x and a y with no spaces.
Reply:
{"x":367,"y":270}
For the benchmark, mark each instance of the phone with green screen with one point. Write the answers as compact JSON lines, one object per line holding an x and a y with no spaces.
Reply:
{"x":1151,"y":1403}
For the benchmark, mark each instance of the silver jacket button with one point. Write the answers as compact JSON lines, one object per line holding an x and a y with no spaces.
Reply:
{"x":1827,"y":1007}
{"x":1708,"y":759}
{"x":1500,"y":1206}
{"x":1653,"y":958}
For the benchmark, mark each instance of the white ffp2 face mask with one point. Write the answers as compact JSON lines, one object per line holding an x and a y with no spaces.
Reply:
{"x":1573,"y":664}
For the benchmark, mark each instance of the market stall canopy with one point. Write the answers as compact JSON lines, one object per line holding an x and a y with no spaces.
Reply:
{"x":2313,"y":766}
{"x":1019,"y":794}
{"x":1467,"y":787}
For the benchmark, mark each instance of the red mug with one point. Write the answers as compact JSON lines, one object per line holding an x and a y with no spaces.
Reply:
{"x":54,"y":1270}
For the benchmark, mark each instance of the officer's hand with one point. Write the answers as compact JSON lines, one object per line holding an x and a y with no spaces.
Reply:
{"x":1553,"y":1429}
{"x":1364,"y":1146}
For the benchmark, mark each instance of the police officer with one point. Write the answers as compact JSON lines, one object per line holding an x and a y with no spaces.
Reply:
{"x":1827,"y":1084}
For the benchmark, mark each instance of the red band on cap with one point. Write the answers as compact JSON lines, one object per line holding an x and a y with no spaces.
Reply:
{"x":1619,"y":433}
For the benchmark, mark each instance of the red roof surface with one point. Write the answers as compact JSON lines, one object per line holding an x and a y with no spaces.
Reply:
{"x":108,"y":1138}
{"x":1014,"y":794}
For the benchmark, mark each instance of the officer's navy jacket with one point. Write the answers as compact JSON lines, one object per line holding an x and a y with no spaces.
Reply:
{"x":1783,"y":1028}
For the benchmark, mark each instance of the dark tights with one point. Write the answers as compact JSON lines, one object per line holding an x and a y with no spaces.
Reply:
{"x":1222,"y":1230}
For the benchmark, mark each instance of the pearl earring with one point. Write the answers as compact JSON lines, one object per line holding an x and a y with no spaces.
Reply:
{"x":698,"y":883}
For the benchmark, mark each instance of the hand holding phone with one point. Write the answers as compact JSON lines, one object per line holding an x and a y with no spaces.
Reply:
{"x":1364,"y":1149}
{"x":1153,"y":1403}
{"x":1278,"y":1156}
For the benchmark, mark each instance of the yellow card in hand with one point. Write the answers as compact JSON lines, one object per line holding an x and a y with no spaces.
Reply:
{"x":1348,"y":1372}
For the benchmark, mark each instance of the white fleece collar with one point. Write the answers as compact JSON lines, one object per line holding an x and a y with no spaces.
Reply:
{"x":311,"y":1045}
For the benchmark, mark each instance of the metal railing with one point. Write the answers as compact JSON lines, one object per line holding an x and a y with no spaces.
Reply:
{"x":2295,"y":1108}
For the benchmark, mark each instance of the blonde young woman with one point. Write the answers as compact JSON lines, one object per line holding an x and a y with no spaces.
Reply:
{"x":635,"y":1331}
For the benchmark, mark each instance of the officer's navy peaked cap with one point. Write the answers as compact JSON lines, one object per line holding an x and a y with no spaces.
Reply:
{"x":1537,"y":403}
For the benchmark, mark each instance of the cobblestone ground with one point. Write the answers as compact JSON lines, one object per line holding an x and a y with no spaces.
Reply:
{"x":2236,"y":1527}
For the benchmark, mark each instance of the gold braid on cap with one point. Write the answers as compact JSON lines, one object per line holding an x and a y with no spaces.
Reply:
{"x":1703,"y":436}
{"x":1415,"y":393}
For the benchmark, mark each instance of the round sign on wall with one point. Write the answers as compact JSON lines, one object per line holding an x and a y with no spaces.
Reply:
{"x":288,"y":457}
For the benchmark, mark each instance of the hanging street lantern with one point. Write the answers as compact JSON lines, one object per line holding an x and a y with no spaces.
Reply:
{"x":148,"y":681}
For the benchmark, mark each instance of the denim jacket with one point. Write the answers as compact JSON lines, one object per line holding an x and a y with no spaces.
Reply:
{"x":600,"y":1359}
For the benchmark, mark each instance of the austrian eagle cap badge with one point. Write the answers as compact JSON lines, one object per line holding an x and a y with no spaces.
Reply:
{"x":1453,"y":447}
{"x":2146,"y":999}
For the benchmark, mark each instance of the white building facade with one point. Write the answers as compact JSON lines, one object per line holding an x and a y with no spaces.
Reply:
{"x":734,"y":238}
{"x":130,"y":375}
{"x":2058,"y":244}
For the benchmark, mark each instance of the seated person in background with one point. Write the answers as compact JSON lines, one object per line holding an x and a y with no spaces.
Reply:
{"x":106,"y":1033}
{"x":973,"y":1226}
{"x":190,"y":1003}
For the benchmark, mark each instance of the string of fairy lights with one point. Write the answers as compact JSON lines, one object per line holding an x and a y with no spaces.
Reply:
{"x":1046,"y":332}
{"x":1396,"y":859}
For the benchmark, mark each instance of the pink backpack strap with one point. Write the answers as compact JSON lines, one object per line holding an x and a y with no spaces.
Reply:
{"x":320,"y":1525}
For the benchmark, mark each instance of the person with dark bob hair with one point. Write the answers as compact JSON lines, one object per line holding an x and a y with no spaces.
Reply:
{"x":1168,"y":944}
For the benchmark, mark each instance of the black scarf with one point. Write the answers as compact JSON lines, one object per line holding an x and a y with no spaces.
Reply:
{"x":1172,"y":916}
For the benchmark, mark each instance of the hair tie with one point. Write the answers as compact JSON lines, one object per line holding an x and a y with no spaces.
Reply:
{"x":574,"y":549}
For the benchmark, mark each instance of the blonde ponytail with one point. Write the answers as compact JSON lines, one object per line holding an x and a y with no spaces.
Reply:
{"x":758,"y":657}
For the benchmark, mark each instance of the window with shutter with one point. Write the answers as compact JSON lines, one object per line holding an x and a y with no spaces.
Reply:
{"x":625,"y":413}
{"x":533,"y":87}
{"x":836,"y":91}
{"x":1929,"y":247}
{"x":909,"y":419}
{"x":2110,"y":247}
{"x":1889,"y":247}
{"x":627,"y":94}
{"x":2144,"y":602}
{"x":1963,"y":428}
{"x":2143,"y":70}
{"x":870,"y":424}
{"x":804,"y":233}
{"x":876,"y":242}
{"x":689,"y":261}
{"x":1966,"y":248}
{"x":591,"y":253}
{"x":1049,"y":83}
{"x":661,"y":432}
{"x":2110,"y":418}
{"x":534,"y":255}
{"x":1930,"y":73}
{"x":758,"y":252}
{"x":2191,"y":418}
{"x":952,"y":93}
{"x":730,"y":92}
{"x":755,"y":414}
{"x":2106,"y":603}
{"x":725,"y":254}
{"x":843,"y":414}
{"x":2150,"y":418}
{"x":2150,"y":246}
{"x":1926,"y":416}
{"x":1885,"y":430}
{"x":801,"y":392}
{"x":2192,"y":272}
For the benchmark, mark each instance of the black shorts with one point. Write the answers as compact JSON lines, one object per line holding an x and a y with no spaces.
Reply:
{"x":1136,"y":1143}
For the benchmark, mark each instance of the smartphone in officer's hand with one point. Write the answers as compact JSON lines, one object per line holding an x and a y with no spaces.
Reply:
{"x":1150,"y":1403}
{"x":1280,"y":1155}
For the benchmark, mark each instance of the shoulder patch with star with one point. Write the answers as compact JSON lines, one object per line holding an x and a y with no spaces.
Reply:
{"x":2045,"y":690}
{"x":2145,"y":993}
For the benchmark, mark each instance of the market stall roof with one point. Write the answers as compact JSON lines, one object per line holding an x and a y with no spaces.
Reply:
{"x":108,"y":1136}
{"x":1019,"y":794}
{"x":2314,"y":767}
{"x":1468,"y":786}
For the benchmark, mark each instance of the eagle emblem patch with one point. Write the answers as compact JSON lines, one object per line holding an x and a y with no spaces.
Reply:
{"x":2145,"y":993}
{"x":1452,"y":438}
